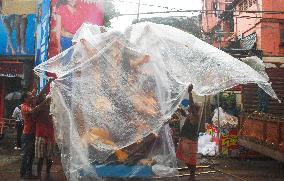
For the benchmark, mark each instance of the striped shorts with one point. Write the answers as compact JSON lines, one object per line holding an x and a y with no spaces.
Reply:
{"x":44,"y":148}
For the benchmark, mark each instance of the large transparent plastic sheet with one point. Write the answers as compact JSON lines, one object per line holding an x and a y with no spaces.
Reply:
{"x":115,"y":92}
{"x":190,"y":59}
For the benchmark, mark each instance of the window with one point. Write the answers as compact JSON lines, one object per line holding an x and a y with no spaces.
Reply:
{"x":215,"y":8}
{"x":245,"y":5}
{"x":249,"y":3}
{"x":241,"y":6}
{"x":282,"y":34}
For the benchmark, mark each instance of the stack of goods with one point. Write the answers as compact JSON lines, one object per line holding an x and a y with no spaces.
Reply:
{"x":225,"y":119}
{"x":228,"y":142}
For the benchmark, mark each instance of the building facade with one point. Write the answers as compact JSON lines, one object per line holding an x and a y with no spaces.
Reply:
{"x":247,"y":28}
{"x":267,"y":27}
{"x":247,"y":24}
{"x":215,"y":27}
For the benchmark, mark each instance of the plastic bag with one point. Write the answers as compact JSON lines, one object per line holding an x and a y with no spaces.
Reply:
{"x":205,"y":146}
{"x":162,"y":170}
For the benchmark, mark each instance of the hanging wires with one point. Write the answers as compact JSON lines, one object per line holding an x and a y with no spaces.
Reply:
{"x":176,"y":10}
{"x":150,"y":5}
{"x":203,"y":11}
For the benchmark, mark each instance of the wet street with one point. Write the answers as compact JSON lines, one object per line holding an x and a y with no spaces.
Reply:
{"x":210,"y":168}
{"x":10,"y":162}
{"x":142,"y":90}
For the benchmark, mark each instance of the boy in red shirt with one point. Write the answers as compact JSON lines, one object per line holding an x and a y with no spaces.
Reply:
{"x":44,"y":132}
{"x":45,"y":141}
{"x":71,"y":15}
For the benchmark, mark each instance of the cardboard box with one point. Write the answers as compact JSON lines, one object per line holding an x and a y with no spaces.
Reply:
{"x":228,"y":145}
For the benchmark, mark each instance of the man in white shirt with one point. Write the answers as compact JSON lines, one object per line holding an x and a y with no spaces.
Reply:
{"x":19,"y":126}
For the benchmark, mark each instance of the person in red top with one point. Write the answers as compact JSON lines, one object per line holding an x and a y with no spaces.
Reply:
{"x":45,"y":140}
{"x":93,"y":12}
{"x":27,"y":137}
{"x":44,"y":131}
{"x":69,"y":18}
{"x":70,"y":15}
{"x":188,"y":145}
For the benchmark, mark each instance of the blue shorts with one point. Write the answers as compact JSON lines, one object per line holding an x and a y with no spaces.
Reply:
{"x":65,"y":42}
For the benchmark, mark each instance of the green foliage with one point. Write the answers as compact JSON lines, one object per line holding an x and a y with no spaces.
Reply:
{"x":109,"y":12}
{"x":228,"y":97}
{"x":228,"y":101}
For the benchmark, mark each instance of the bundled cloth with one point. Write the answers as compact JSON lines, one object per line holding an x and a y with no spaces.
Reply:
{"x":226,"y":120}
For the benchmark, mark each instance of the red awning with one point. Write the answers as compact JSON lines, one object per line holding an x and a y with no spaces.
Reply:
{"x":11,"y":69}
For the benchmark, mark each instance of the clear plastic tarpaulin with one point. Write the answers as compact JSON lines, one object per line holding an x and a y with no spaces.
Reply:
{"x":115,"y":91}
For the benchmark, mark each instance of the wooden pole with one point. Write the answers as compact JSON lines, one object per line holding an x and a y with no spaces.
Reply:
{"x":218,"y":105}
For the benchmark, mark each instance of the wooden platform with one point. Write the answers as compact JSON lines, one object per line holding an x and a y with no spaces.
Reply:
{"x":263,"y":149}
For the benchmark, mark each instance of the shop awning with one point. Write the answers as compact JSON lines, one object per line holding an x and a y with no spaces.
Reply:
{"x":11,"y":69}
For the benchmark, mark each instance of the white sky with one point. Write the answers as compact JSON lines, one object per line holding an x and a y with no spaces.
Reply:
{"x":131,"y":7}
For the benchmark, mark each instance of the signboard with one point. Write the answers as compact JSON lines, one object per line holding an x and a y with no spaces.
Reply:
{"x":42,"y":35}
{"x":17,"y":27}
{"x":67,"y":17}
{"x":42,"y":31}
